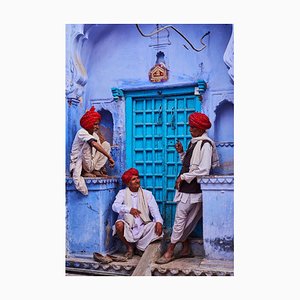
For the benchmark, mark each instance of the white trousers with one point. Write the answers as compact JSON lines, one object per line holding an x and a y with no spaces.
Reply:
{"x":88,"y":160}
{"x":186,"y":218}
{"x":94,"y":161}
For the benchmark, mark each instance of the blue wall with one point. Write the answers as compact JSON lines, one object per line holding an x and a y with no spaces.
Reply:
{"x":119,"y":56}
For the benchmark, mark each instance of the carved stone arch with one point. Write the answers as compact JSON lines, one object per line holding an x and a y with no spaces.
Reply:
{"x":212,"y":107}
{"x":219,"y":100}
{"x":223,"y":109}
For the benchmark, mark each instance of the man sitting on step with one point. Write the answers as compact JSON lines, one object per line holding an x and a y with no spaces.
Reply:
{"x":139,"y":222}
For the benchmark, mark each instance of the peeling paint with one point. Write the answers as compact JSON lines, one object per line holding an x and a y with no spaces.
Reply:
{"x":222,"y":244}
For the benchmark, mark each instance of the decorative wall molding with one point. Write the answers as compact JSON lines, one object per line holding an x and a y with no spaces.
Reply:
{"x":217,"y":180}
{"x":95,"y":184}
{"x":229,"y":57}
{"x":95,"y":180}
{"x":76,"y":75}
{"x":89,"y":267}
{"x":225,"y":144}
{"x":96,"y":268}
{"x":186,"y":272}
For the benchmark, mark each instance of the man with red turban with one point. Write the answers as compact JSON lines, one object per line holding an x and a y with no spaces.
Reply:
{"x":197,"y":161}
{"x":139,"y":221}
{"x":88,"y":154}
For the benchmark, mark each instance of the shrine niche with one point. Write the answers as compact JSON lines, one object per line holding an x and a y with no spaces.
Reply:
{"x":158,"y":73}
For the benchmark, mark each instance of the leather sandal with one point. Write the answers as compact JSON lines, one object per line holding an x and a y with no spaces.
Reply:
{"x":117,"y":258}
{"x":100,"y":258}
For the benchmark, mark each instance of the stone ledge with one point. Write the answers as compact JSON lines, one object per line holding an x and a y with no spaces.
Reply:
{"x":195,"y":266}
{"x":95,"y":180}
{"x":217,"y":179}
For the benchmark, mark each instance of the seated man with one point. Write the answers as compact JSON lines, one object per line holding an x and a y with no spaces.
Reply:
{"x":88,"y":153}
{"x":135,"y":206}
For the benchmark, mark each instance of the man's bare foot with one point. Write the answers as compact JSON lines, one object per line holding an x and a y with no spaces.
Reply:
{"x":87,"y":174}
{"x":97,"y":173}
{"x":101,"y":173}
{"x":103,"y":170}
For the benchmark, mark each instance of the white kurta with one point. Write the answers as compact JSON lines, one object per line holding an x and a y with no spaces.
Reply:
{"x":83,"y":156}
{"x":189,"y":206}
{"x":141,"y":234}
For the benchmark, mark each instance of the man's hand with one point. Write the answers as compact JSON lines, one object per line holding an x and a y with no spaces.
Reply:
{"x":158,"y":228}
{"x":111,"y":162}
{"x":178,"y":182}
{"x":135,"y":212}
{"x":179,"y":147}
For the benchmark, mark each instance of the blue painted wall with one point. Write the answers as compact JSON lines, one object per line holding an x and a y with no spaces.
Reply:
{"x":118,"y":56}
{"x":89,"y":219}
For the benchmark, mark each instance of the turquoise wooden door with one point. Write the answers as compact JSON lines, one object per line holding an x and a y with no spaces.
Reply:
{"x":155,"y":119}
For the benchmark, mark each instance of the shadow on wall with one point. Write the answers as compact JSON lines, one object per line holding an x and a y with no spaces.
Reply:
{"x":106,"y":125}
{"x":107,"y":130}
{"x":224,"y":138}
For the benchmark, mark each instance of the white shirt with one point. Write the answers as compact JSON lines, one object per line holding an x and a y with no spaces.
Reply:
{"x":119,"y":206}
{"x":82,"y":136}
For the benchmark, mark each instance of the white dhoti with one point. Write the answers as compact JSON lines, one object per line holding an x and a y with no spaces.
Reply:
{"x":89,"y":160}
{"x":142,"y":235}
{"x":186,"y":218}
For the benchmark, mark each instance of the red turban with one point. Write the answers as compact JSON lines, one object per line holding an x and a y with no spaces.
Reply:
{"x":89,"y":118}
{"x":126,"y":177}
{"x":199,"y":120}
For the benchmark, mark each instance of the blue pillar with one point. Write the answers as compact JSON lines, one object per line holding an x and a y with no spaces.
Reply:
{"x":218,"y":229}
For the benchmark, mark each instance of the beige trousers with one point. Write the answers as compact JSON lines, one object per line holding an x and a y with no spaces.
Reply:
{"x":89,"y":160}
{"x":94,"y":160}
{"x":186,"y":218}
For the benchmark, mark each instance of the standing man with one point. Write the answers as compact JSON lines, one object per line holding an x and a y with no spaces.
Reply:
{"x":197,"y":161}
{"x":139,"y":222}
{"x":88,"y":153}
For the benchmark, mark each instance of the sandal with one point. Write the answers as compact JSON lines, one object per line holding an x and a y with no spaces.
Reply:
{"x":100,"y":258}
{"x":117,"y":258}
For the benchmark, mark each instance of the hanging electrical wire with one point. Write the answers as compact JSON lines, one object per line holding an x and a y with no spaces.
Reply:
{"x":176,"y":30}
